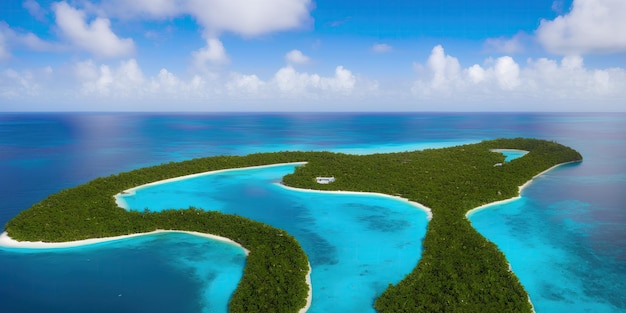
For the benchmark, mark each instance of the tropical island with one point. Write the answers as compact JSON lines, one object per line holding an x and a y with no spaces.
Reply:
{"x":459,"y":270}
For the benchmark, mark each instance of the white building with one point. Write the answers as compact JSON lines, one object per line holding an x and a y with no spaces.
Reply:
{"x":325,"y":180}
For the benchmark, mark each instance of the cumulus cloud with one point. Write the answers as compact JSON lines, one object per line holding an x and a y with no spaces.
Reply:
{"x":442,"y":71}
{"x":506,"y":73}
{"x":296,"y":57}
{"x":121,"y":81}
{"x":381,"y":48}
{"x":591,"y":26}
{"x":168,"y":84}
{"x":243,"y":17}
{"x":113,"y":86}
{"x":213,"y":53}
{"x":251,"y":17}
{"x":14,"y":84}
{"x":504,"y":82}
{"x":241,"y":83}
{"x":95,"y":37}
{"x":291,"y":82}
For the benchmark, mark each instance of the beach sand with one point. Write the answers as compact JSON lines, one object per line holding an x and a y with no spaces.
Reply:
{"x":420,"y":206}
{"x":519,"y":192}
{"x":8,"y":242}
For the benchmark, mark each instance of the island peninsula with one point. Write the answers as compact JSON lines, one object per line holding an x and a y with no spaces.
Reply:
{"x":459,"y":270}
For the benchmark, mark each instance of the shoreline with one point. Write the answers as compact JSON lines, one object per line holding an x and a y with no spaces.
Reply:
{"x":7,"y":242}
{"x":519,"y":196}
{"x":309,"y":298}
{"x":519,"y":192}
{"x":427,"y":210}
{"x":131,"y":191}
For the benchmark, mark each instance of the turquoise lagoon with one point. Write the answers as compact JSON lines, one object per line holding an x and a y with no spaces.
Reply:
{"x":356,"y":243}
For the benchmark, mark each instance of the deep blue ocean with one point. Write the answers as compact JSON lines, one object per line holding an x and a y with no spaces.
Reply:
{"x":565,"y":238}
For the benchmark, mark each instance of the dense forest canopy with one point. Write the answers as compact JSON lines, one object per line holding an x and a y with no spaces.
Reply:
{"x":459,"y":271}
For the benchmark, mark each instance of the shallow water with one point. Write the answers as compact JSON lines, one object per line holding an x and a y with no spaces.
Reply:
{"x":356,"y":244}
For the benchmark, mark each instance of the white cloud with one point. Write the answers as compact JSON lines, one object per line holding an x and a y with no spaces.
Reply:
{"x":120,"y":82}
{"x":33,"y":42}
{"x":214,"y":53}
{"x":14,"y":84}
{"x":251,"y":17}
{"x":476,"y":74}
{"x":443,"y":84}
{"x":249,"y":84}
{"x":296,"y":57}
{"x":35,"y":10}
{"x":381,"y":48}
{"x":95,"y":37}
{"x":4,"y":49}
{"x":10,"y":39}
{"x":126,"y":82}
{"x":501,"y":84}
{"x":157,"y":9}
{"x":511,"y":45}
{"x":592,"y":26}
{"x":243,"y":17}
{"x":506,"y":72}
{"x":557,"y":6}
{"x":167,"y":84}
{"x":443,"y":69}
{"x":291,"y":82}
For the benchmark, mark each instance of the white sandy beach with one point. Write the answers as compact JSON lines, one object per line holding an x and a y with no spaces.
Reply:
{"x":122,"y":204}
{"x":519,"y":192}
{"x":429,"y":213}
{"x":8,"y":242}
{"x":309,"y":298}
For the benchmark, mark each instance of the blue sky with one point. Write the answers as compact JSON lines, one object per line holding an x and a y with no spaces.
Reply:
{"x":304,"y":55}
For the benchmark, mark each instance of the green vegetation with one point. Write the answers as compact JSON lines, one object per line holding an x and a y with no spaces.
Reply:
{"x":460,"y":271}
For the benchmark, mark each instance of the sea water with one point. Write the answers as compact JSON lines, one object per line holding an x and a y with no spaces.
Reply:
{"x":153,"y":273}
{"x":565,"y":238}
